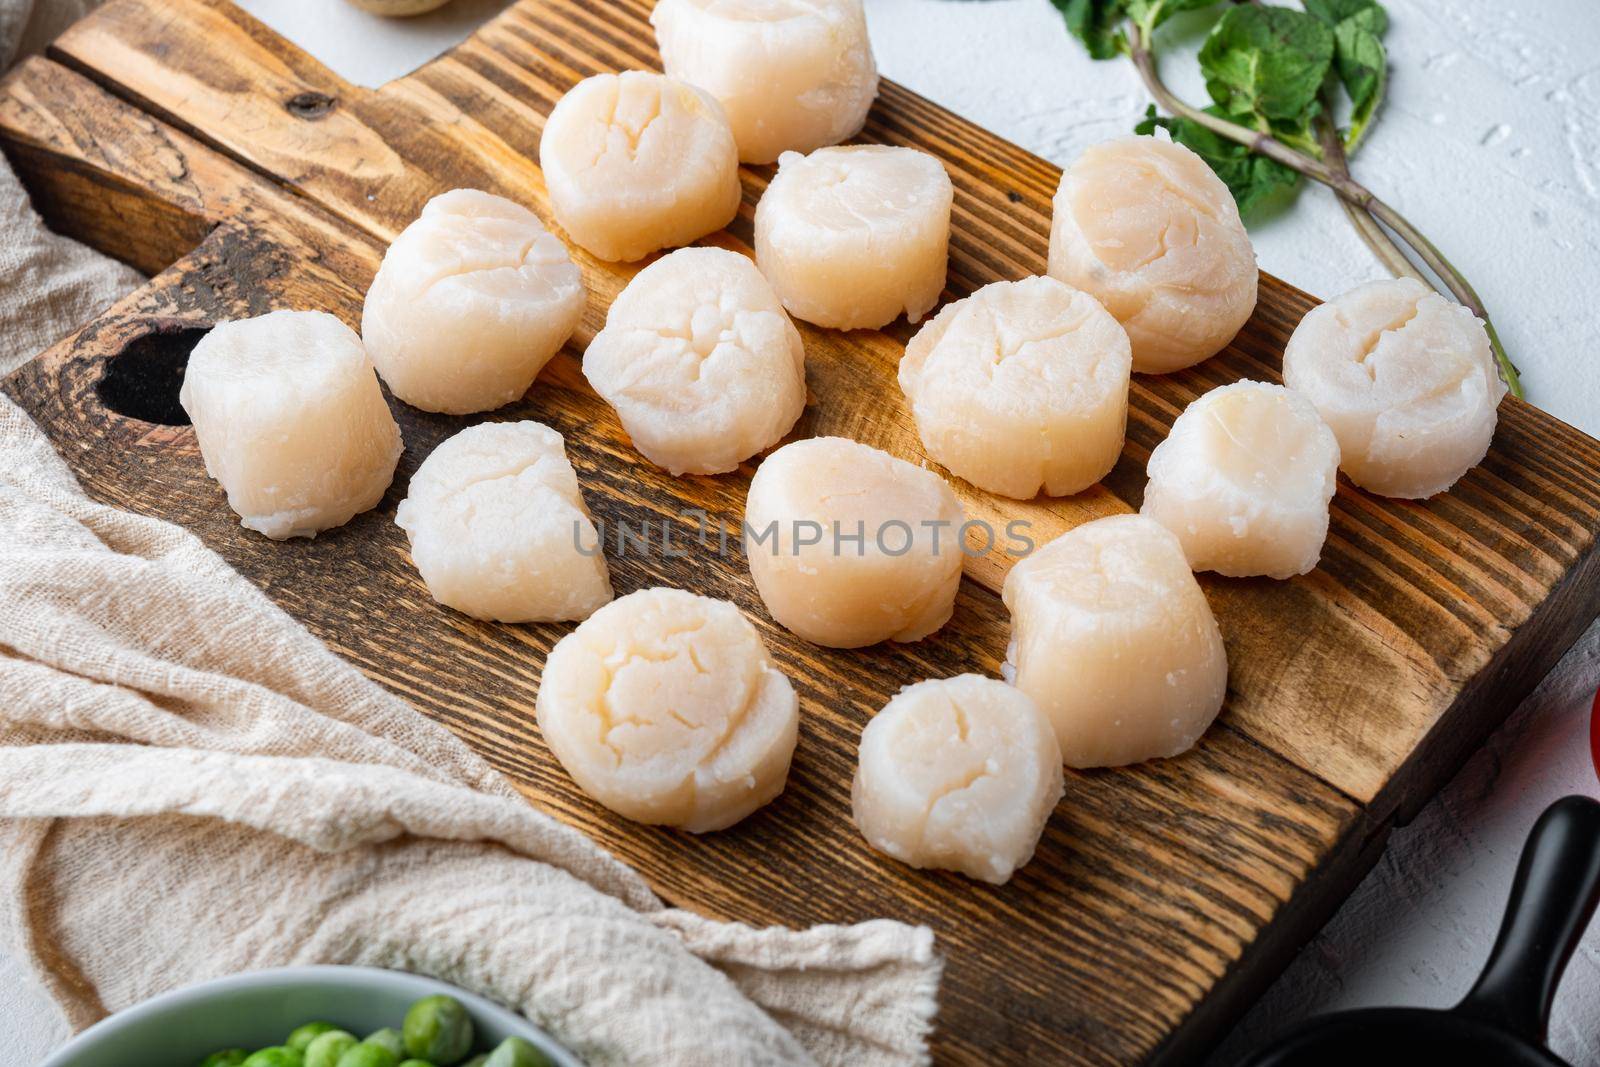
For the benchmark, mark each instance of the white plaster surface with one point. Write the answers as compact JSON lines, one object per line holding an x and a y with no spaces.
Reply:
{"x":1491,"y":144}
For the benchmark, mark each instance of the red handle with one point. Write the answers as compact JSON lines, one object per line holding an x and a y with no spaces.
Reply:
{"x":1594,"y":733}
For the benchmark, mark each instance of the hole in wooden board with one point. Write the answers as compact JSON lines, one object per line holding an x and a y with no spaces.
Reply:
{"x":310,"y":105}
{"x":142,"y":381}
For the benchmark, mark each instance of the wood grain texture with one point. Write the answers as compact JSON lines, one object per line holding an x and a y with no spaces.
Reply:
{"x":1164,"y":895}
{"x":1166,"y":871}
{"x":1411,"y":601}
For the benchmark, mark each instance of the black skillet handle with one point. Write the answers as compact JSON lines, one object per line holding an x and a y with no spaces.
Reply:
{"x":1554,"y":894}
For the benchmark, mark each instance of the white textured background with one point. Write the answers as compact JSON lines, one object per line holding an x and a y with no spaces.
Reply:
{"x":1490,"y":143}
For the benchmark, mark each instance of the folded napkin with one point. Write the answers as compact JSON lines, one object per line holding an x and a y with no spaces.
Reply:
{"x":192,"y":785}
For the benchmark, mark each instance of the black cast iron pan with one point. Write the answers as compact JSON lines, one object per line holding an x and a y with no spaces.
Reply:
{"x":1503,"y":1020}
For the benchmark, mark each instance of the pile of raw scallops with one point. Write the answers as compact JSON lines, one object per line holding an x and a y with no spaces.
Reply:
{"x":664,"y":705}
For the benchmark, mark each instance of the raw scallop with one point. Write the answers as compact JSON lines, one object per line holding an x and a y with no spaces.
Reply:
{"x":700,"y":361}
{"x":793,"y":75}
{"x":1244,"y":480}
{"x":850,"y":546}
{"x":472,"y":300}
{"x":853,"y":237}
{"x":1112,"y":637}
{"x":499,"y":530}
{"x":1020,"y":387}
{"x":959,"y":774}
{"x":666,"y":708}
{"x":637,"y":162}
{"x":291,"y":421}
{"x":1148,"y":229}
{"x":1406,"y":380}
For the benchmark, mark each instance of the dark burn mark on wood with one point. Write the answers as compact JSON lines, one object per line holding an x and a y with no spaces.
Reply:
{"x":234,"y":268}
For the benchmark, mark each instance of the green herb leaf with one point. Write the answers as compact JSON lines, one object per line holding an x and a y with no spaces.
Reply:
{"x":1363,"y":67}
{"x":1096,"y":23}
{"x":1334,"y":12}
{"x":1267,"y":64}
{"x":1359,"y":56}
{"x":1251,"y":178}
{"x":1152,"y":13}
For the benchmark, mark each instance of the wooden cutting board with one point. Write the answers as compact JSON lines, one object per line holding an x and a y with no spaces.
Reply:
{"x":191,"y":141}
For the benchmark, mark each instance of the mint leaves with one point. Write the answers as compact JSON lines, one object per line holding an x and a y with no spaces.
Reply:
{"x":1252,"y":179}
{"x":1267,"y":68}
{"x":1359,"y":56}
{"x":1276,"y":76}
{"x":1151,"y":13}
{"x":1268,"y":64}
{"x":1097,"y":23}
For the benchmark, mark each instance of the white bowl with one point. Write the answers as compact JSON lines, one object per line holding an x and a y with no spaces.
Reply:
{"x":259,"y":1008}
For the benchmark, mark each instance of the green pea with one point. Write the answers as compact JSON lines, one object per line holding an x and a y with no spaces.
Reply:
{"x":437,"y":1028}
{"x":228,"y":1057}
{"x":515,"y":1052}
{"x":326,"y":1049}
{"x":477,"y":1061}
{"x":367,"y":1055}
{"x":388,"y":1038}
{"x":302,"y":1036}
{"x":415,"y":1063}
{"x":276,"y":1056}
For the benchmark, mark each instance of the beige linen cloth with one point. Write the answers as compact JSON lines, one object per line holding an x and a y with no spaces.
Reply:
{"x":191,"y":785}
{"x":47,"y":285}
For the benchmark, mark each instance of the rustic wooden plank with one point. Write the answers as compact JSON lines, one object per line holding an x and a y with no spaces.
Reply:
{"x":1412,"y":601}
{"x":1153,"y":882}
{"x":135,"y":188}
